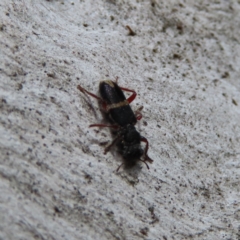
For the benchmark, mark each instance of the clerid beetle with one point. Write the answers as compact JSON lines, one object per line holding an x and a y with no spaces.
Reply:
{"x":123,"y":119}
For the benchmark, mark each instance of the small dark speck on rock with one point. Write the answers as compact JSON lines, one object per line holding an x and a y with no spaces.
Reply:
{"x":51,"y":75}
{"x":176,"y":56}
{"x":144,"y":231}
{"x":131,"y":32}
{"x":4,"y":100}
{"x":234,"y":102}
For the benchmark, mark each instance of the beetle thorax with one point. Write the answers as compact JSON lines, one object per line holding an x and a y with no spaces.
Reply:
{"x":131,"y":148}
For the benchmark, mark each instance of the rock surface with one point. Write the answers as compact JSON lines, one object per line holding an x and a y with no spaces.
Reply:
{"x":183,"y":61}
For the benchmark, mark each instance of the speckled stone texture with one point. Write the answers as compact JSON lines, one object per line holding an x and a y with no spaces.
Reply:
{"x":182,"y":58}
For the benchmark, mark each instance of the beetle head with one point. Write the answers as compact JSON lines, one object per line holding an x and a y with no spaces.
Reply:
{"x":131,"y":147}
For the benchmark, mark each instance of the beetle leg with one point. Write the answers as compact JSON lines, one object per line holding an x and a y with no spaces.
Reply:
{"x":119,"y":167}
{"x":132,"y":97}
{"x":83,"y":90}
{"x":110,"y":126}
{"x":147,"y":158}
{"x":118,"y":138}
{"x":138,"y":114}
{"x":144,"y":161}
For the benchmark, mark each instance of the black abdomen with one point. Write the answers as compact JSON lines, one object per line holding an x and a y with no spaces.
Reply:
{"x":117,"y":105}
{"x":111,"y":92}
{"x":123,"y":115}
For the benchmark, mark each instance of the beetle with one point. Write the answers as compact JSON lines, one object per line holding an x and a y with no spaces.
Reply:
{"x":123,"y":120}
